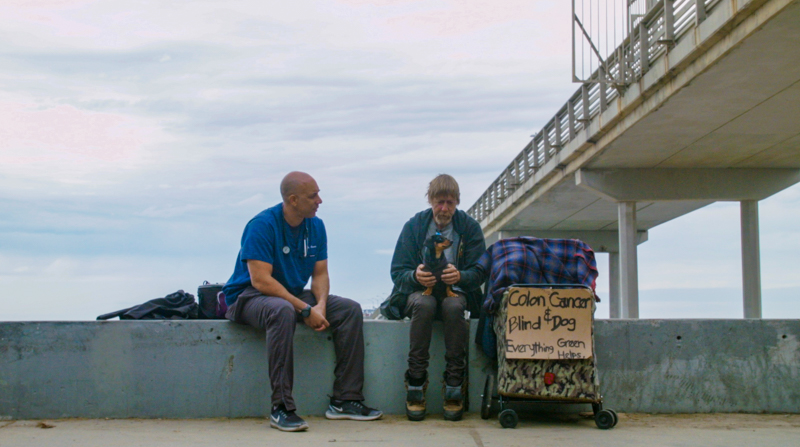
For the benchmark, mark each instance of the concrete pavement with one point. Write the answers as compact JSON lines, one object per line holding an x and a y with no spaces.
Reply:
{"x":533,"y":430}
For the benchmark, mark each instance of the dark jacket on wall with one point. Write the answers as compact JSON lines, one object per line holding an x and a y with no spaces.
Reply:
{"x":175,"y":306}
{"x":408,"y":254}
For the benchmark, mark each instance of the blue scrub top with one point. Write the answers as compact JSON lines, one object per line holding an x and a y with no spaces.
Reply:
{"x":267,"y":237}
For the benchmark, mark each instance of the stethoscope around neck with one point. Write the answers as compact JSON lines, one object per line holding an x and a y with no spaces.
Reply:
{"x":286,"y":249}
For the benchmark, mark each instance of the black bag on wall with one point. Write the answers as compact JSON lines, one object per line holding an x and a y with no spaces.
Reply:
{"x":212,"y":301}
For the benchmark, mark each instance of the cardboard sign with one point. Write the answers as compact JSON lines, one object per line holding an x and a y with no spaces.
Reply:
{"x":549,"y":324}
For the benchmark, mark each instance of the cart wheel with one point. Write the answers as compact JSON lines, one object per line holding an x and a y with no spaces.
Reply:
{"x":486,"y":402}
{"x":604,"y":419}
{"x":508,"y":418}
{"x":616,"y":418}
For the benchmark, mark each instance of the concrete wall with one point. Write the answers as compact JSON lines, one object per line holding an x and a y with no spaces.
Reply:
{"x":700,"y":366}
{"x":194,"y":369}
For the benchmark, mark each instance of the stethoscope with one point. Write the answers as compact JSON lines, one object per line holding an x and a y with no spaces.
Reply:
{"x":286,"y":250}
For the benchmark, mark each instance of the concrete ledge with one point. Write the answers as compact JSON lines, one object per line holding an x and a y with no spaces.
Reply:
{"x":700,"y":366}
{"x":197,"y":369}
{"x":188,"y":369}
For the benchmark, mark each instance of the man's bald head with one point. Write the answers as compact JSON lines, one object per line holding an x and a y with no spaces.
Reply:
{"x":292,"y":183}
{"x":300,"y":197}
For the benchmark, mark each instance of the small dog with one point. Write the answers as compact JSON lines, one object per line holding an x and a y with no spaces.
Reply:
{"x":436,"y":261}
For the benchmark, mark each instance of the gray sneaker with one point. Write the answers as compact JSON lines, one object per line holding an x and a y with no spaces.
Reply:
{"x":353,"y":410}
{"x":285,"y":420}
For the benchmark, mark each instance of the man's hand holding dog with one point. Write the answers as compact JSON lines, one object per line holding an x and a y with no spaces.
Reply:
{"x":451,"y":275}
{"x":426,"y":279}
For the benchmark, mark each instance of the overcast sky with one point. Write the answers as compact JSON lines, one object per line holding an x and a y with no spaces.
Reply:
{"x":139,"y":137}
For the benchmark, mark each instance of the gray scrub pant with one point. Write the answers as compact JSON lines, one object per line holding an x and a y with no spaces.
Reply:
{"x":278,"y":318}
{"x":423,"y":309}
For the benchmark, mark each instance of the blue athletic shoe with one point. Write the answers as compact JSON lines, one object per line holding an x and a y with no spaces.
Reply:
{"x":285,"y":420}
{"x":353,"y":410}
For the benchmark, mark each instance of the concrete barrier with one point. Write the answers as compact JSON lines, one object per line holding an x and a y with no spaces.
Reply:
{"x":700,"y":366}
{"x":197,"y":369}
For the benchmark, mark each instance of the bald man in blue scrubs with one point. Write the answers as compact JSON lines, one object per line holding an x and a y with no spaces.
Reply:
{"x":282,"y":247}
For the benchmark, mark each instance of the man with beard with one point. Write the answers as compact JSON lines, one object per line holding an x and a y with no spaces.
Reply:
{"x":282,"y":247}
{"x":410,"y":281}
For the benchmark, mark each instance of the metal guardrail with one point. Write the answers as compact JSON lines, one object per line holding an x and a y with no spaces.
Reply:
{"x":652,"y":32}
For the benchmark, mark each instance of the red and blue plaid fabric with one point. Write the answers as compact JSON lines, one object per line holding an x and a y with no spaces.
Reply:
{"x":529,"y":260}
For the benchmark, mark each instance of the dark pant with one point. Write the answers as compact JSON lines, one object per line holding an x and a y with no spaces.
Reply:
{"x":423,"y":310}
{"x":278,"y":317}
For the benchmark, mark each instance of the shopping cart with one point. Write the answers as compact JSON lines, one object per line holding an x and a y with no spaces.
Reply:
{"x":543,"y":332}
{"x":564,"y":380}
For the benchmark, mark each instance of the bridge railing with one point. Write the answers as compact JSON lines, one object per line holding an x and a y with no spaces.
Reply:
{"x":652,"y":28}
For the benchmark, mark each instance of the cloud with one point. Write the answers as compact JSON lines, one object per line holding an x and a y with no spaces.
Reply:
{"x":65,"y":132}
{"x":452,"y":18}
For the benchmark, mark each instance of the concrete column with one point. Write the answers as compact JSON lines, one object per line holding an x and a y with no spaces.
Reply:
{"x":751,"y":259}
{"x":628,"y":263}
{"x":613,"y":286}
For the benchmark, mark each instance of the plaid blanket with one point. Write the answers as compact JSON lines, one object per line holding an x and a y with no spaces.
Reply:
{"x":528,"y":260}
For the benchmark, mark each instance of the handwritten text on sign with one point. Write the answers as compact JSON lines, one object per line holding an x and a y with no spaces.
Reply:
{"x":549,"y":323}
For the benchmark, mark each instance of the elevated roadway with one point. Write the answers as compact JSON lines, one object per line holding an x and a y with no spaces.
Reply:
{"x":711,"y":113}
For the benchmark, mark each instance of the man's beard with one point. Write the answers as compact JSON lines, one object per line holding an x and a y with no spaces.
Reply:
{"x":441,"y":220}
